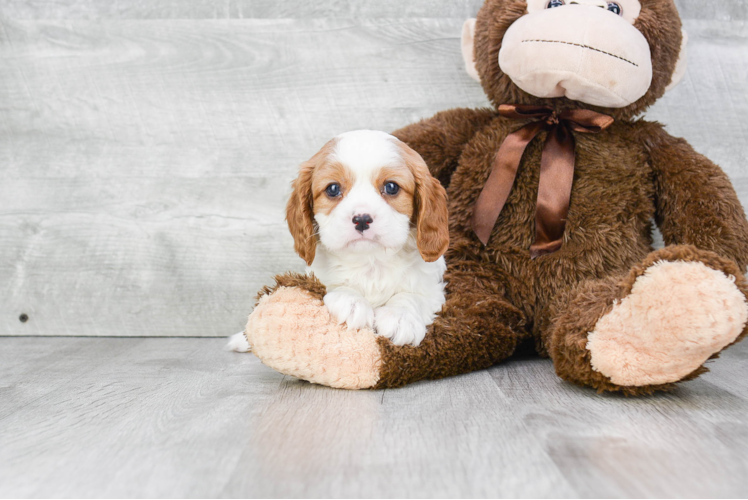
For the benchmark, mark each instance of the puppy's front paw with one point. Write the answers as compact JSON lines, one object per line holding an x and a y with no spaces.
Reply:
{"x":350,"y":309}
{"x":399,"y":325}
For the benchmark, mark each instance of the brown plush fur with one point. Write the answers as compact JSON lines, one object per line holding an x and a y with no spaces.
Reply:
{"x":625,"y":177}
{"x":622,"y":182}
{"x":575,"y":312}
{"x":309,"y":283}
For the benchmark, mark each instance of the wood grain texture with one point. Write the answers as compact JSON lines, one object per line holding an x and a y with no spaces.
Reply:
{"x":146,"y":163}
{"x":182,"y":418}
{"x":299,"y":9}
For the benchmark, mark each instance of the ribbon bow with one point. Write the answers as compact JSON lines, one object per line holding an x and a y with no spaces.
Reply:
{"x":556,"y":171}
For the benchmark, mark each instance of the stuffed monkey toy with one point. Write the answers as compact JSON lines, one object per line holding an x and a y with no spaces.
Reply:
{"x":552,"y":197}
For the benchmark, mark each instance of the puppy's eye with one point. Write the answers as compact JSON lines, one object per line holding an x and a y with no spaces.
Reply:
{"x":555,"y":3}
{"x":391,"y":188}
{"x":615,"y":8}
{"x":333,"y":190}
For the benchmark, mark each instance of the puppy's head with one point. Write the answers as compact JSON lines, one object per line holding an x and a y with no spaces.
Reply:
{"x":366,"y":190}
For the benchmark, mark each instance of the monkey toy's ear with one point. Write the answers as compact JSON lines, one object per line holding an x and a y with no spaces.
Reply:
{"x":468,"y":44}
{"x":680,"y":66}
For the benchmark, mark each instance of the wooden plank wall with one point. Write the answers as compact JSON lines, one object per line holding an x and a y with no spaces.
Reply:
{"x":297,"y":9}
{"x":147,"y":147}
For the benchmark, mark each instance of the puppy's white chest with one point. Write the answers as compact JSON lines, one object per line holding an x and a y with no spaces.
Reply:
{"x":376,"y":280}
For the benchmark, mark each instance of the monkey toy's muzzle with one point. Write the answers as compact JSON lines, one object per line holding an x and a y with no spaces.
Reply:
{"x":580,"y":52}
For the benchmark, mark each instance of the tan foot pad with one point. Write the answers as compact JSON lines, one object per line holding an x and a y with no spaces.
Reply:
{"x":293,"y":333}
{"x":677,"y":315}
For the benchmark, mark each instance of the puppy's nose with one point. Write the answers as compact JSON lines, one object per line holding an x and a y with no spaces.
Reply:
{"x":362,"y":222}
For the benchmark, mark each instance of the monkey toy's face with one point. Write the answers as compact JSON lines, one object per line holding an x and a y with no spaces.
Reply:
{"x":616,"y":56}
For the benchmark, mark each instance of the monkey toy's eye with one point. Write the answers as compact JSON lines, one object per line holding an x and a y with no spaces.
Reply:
{"x":333,"y":190}
{"x":555,"y":3}
{"x":391,"y":188}
{"x":615,"y":8}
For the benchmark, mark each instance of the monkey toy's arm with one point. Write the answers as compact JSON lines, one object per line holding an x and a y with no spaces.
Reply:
{"x":440,"y":139}
{"x":695,"y":201}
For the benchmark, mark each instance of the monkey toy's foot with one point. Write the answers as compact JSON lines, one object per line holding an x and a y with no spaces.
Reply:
{"x":677,"y":315}
{"x":292,"y":332}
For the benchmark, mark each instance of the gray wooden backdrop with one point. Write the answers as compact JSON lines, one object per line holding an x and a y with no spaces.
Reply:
{"x":147,"y":146}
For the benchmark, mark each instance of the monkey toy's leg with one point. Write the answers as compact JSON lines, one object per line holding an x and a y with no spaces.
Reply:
{"x":292,"y":332}
{"x":657,"y":325}
{"x":477,"y":328}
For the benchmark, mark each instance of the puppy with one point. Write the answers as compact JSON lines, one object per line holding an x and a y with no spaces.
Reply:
{"x":371,"y":223}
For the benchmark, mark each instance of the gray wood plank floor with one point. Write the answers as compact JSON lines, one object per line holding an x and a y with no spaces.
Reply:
{"x":181,"y":417}
{"x":146,"y":162}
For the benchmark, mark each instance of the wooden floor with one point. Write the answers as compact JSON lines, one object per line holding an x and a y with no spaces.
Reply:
{"x":82,"y":417}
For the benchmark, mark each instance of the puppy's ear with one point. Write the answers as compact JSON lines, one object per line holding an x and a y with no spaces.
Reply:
{"x":300,"y":207}
{"x":432,"y":224}
{"x":300,"y":214}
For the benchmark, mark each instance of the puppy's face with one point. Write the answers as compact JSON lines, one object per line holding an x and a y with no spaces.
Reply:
{"x":366,"y":190}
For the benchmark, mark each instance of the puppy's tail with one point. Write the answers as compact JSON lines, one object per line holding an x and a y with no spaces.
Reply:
{"x":238,"y":343}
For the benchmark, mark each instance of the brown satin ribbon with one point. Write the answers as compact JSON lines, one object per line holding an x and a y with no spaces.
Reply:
{"x":556,"y":171}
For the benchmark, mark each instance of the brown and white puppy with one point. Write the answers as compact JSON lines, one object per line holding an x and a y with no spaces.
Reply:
{"x":371,"y":223}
